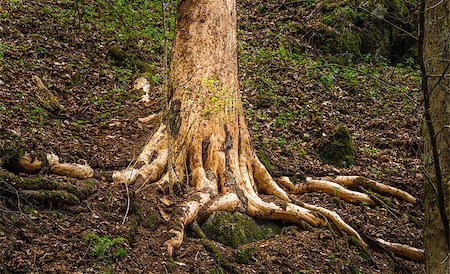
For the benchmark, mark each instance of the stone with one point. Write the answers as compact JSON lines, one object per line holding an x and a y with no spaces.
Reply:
{"x":235,"y":229}
{"x":338,"y":150}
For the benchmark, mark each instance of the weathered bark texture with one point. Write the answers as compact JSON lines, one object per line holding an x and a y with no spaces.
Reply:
{"x":203,"y":146}
{"x":436,"y":85}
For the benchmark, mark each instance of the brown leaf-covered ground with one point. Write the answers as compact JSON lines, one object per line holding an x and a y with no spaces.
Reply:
{"x":294,"y":96}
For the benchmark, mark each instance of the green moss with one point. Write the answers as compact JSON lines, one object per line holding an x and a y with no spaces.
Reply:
{"x":264,"y":160}
{"x":399,"y":7}
{"x":219,"y":259}
{"x":137,"y":208}
{"x":90,"y":185}
{"x":346,"y":41}
{"x":233,"y":229}
{"x":350,"y":42}
{"x":83,"y":191}
{"x":60,"y":196}
{"x":338,"y":150}
{"x":151,"y":222}
{"x":134,"y":224}
{"x":104,"y":248}
{"x":171,"y":265}
{"x":351,"y":29}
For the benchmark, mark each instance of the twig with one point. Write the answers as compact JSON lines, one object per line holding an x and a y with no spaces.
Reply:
{"x":128,"y":196}
{"x":371,"y":76}
{"x":34,"y":262}
{"x":128,"y":203}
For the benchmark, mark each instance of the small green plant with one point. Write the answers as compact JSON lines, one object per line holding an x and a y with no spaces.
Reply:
{"x":366,"y":257}
{"x":97,"y":100}
{"x":3,"y":48}
{"x":354,"y":270}
{"x":36,"y":114}
{"x":104,"y":115}
{"x":331,"y":257}
{"x":217,"y":98}
{"x":41,"y":50}
{"x":245,"y":256}
{"x":328,"y":19}
{"x":282,"y":141}
{"x":104,"y":248}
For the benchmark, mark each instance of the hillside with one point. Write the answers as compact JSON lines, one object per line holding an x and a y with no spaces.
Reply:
{"x":306,"y":67}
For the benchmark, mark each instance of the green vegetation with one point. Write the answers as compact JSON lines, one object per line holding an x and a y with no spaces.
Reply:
{"x":104,"y":248}
{"x":245,"y":256}
{"x":216,"y":98}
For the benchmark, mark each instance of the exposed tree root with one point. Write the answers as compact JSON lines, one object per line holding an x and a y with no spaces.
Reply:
{"x":356,"y":181}
{"x":229,"y":176}
{"x":150,"y":118}
{"x":150,"y":164}
{"x":50,"y":161}
{"x":43,"y":189}
{"x":331,"y":188}
{"x":45,"y":97}
{"x":404,"y":251}
{"x":69,"y":169}
{"x":334,"y":186}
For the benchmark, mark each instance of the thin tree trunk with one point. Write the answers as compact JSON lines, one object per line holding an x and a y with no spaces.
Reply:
{"x":435,"y":43}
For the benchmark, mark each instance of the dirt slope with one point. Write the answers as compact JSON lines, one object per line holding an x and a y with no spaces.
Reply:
{"x":295,"y":96}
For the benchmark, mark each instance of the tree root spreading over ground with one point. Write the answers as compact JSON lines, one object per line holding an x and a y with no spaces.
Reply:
{"x":225,"y":178}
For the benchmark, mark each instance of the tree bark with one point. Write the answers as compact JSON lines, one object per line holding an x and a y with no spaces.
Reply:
{"x":435,"y":51}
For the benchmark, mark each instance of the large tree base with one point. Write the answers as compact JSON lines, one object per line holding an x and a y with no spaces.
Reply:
{"x":214,"y":175}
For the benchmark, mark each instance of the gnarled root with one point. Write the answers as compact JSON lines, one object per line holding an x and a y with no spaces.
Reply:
{"x":356,"y":181}
{"x":227,"y":175}
{"x":336,"y":187}
{"x":150,"y":164}
{"x":325,"y":186}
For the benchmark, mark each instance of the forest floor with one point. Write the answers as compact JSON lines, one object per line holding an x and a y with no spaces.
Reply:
{"x":294,"y":97}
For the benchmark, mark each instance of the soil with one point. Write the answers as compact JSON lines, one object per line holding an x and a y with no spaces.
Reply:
{"x":294,"y":96}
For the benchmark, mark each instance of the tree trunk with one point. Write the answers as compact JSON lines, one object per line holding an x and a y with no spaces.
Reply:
{"x":202,"y":148}
{"x":436,"y":85}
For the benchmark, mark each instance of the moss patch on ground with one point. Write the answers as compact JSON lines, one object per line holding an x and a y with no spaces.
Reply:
{"x":234,"y":229}
{"x":338,"y":150}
